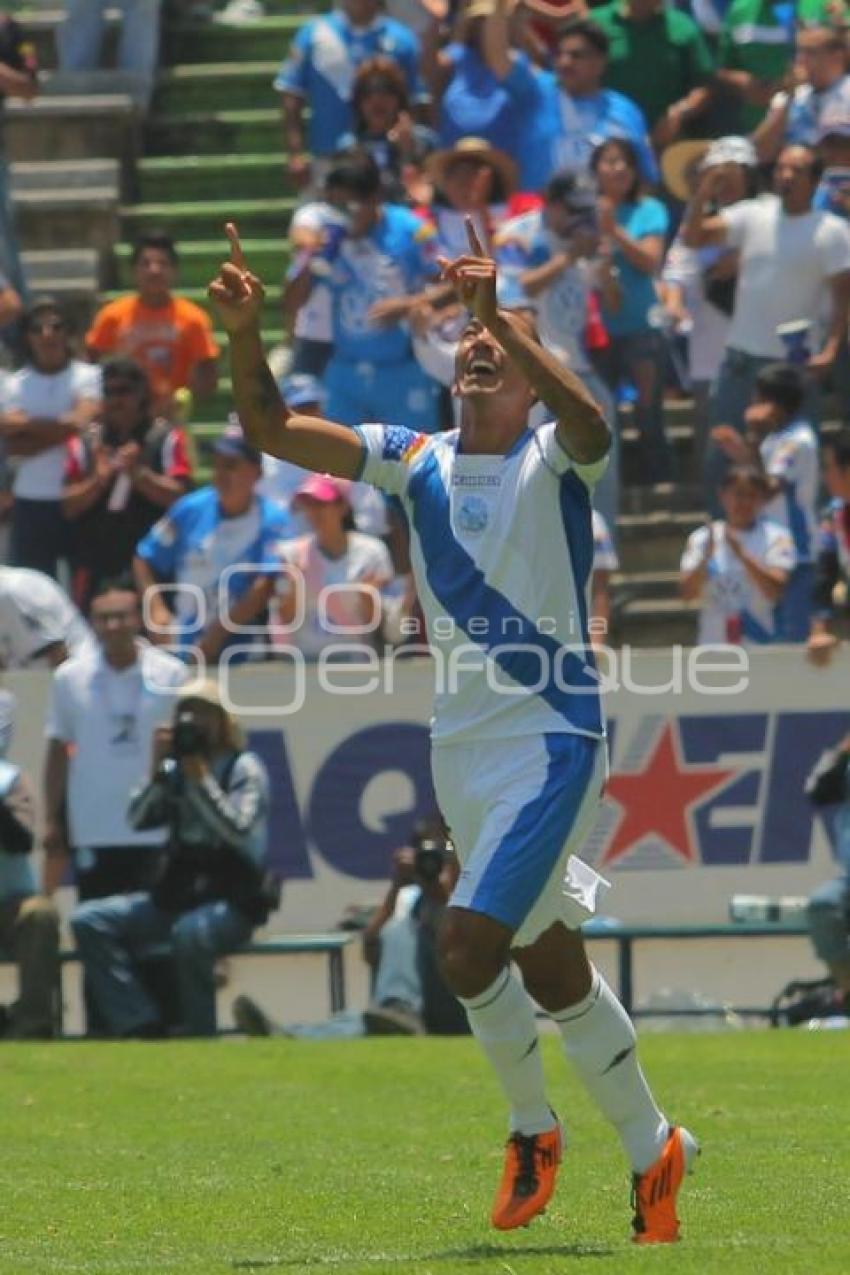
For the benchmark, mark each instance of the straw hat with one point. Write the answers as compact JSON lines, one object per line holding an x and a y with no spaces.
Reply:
{"x":473,"y":148}
{"x":683,"y":160}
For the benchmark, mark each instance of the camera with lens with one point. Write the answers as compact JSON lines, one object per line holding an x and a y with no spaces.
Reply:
{"x":432,"y":848}
{"x":189,"y":737}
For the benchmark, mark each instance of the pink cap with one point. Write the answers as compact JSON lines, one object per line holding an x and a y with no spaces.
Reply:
{"x":323,"y":488}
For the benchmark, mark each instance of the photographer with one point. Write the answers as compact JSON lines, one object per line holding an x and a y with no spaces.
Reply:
{"x":212,"y":796}
{"x":829,"y":906}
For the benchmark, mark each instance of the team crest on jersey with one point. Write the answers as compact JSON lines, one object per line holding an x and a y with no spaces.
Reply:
{"x":473,"y":515}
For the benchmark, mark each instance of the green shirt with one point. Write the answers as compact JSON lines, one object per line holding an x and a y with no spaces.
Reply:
{"x":657,"y":62}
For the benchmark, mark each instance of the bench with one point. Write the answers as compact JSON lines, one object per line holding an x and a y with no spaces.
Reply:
{"x":626,"y":936}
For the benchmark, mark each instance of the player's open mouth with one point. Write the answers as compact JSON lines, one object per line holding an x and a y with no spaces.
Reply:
{"x":480,"y":366}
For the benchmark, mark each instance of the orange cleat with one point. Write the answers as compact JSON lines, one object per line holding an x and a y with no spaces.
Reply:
{"x":654,"y":1192}
{"x":528,"y":1180}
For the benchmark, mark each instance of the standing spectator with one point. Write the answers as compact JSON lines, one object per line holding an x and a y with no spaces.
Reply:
{"x":634,"y":226}
{"x":754,"y":51}
{"x":79,"y":39}
{"x":105,"y":706}
{"x":784,"y":444}
{"x":822,"y":84}
{"x":832,"y":567}
{"x":385,"y":128}
{"x":659,"y":58}
{"x":738,"y":566}
{"x":698,"y":284}
{"x":330,"y":557}
{"x":18,"y":78}
{"x":793,"y":263}
{"x":29,"y":924}
{"x":370,"y":269}
{"x":52,"y":398}
{"x":212,"y":796}
{"x":213,"y":551}
{"x":169,"y":336}
{"x":487,"y":89}
{"x":471,"y":179}
{"x":584,"y":113}
{"x":312,"y":229}
{"x":119,"y":477}
{"x":39,"y":623}
{"x":319,"y":73}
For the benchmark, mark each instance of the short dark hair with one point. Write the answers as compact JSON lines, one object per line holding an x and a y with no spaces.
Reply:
{"x":782,"y":384}
{"x":588,"y":30}
{"x":123,"y":582}
{"x":629,"y":151}
{"x":356,"y":172}
{"x":574,"y":189}
{"x":746,"y":474}
{"x":816,"y":164}
{"x":839,"y":445}
{"x":122,"y":367}
{"x":159,"y":239}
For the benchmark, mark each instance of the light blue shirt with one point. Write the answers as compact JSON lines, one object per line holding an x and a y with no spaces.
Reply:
{"x":577,"y":125}
{"x":647,"y":217}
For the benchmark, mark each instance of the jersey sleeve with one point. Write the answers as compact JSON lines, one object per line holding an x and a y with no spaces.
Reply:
{"x":293,"y":72}
{"x":102,"y":333}
{"x":59,"y":721}
{"x":604,"y":554}
{"x":160,"y":548}
{"x":556,"y":458}
{"x":388,"y":452}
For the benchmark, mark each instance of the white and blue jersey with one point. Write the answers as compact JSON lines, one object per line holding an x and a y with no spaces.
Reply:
{"x":808,"y":106}
{"x":322,"y":63}
{"x":502,"y":552}
{"x":577,"y":125}
{"x":194,"y":543}
{"x":733,"y":609}
{"x":791,"y":456}
{"x":394,"y":259}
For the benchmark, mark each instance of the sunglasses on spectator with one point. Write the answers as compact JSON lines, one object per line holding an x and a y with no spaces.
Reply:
{"x":46,"y":327}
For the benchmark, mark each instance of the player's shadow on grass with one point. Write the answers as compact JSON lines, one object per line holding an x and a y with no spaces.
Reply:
{"x":476,"y":1253}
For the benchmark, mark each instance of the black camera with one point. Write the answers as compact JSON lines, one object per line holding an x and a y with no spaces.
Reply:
{"x":430,"y":858}
{"x":189,"y":737}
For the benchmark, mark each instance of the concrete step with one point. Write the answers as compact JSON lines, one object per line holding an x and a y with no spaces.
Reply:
{"x":102,"y":81}
{"x":643,"y":586}
{"x":654,"y":542}
{"x":216,"y":131}
{"x":268,"y":37}
{"x":61,"y":270}
{"x":215,"y":86}
{"x":200,"y":260}
{"x":65,"y":175}
{"x":204,"y":220}
{"x":162,"y":179}
{"x":47,"y":218}
{"x":657,"y":623}
{"x":660,"y":498}
{"x":78,"y":127}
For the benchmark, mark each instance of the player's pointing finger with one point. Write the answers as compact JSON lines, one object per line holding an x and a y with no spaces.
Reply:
{"x":237,"y":256}
{"x":475,"y":245}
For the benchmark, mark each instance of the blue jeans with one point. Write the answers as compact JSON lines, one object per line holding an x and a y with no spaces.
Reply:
{"x":80,"y":36}
{"x":112,"y":934}
{"x":829,"y":921}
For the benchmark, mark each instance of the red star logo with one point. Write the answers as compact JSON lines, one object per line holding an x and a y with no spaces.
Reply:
{"x":656,"y":801}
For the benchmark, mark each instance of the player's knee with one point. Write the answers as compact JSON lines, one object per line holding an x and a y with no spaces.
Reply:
{"x":472,"y":950}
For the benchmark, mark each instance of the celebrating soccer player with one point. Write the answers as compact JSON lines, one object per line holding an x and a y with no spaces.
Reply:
{"x":502,"y":546}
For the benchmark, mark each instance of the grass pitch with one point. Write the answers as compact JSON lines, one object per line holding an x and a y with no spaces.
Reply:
{"x":377,"y":1156}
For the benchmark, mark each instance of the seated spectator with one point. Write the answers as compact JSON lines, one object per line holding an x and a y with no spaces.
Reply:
{"x":605,"y":562}
{"x":52,"y":398}
{"x":755,"y":49}
{"x":119,"y":477}
{"x":29,"y":923}
{"x":39,"y":624}
{"x":213,"y":796}
{"x":794,"y":266}
{"x":186,"y":555}
{"x":319,"y":74}
{"x":486,"y":89}
{"x":385,"y":129}
{"x":18,"y":79}
{"x":829,"y":905}
{"x":584,"y":114}
{"x":169,"y":336}
{"x":784,"y":444}
{"x":633,"y":227}
{"x":281,"y":479}
{"x":794,"y":117}
{"x":698,"y":284}
{"x":659,"y":59}
{"x":370,"y":268}
{"x":832,"y":564}
{"x":80,"y":36}
{"x":738,"y":566}
{"x":312,"y":595}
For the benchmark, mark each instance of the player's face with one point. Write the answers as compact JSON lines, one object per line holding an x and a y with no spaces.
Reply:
{"x":483,"y":369}
{"x":742,"y":503}
{"x":836,"y":477}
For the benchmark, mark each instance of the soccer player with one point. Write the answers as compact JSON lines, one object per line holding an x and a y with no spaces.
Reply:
{"x":501,"y":545}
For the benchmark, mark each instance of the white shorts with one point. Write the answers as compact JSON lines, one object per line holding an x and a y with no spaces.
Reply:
{"x":517,"y":810}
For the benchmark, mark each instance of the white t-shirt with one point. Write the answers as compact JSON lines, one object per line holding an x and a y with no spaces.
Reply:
{"x":502,"y":550}
{"x":733,"y":608}
{"x":281,"y":480}
{"x":39,"y":395}
{"x":110,"y":715}
{"x":35,"y":613}
{"x":709,"y":326}
{"x":365,"y":559}
{"x":314,"y":320}
{"x":785,"y":264}
{"x":791,"y":455}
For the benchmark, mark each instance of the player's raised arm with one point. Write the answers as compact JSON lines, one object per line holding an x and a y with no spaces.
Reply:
{"x":317,"y":444}
{"x":581,"y":426}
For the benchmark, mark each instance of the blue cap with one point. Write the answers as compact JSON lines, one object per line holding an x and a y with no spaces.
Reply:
{"x":232,"y":442}
{"x":300,"y":389}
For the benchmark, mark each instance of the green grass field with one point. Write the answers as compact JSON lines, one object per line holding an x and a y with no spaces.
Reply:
{"x":382,"y":1156}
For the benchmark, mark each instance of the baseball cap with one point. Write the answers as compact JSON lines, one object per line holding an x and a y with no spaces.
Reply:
{"x":232,"y":442}
{"x":322,"y":488}
{"x":731,"y":150}
{"x":300,"y":389}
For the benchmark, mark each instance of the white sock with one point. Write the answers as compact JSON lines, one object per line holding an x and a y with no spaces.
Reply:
{"x":601,"y":1041}
{"x":502,"y":1020}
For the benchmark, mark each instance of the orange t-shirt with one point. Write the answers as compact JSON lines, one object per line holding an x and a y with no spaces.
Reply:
{"x":167,"y":341}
